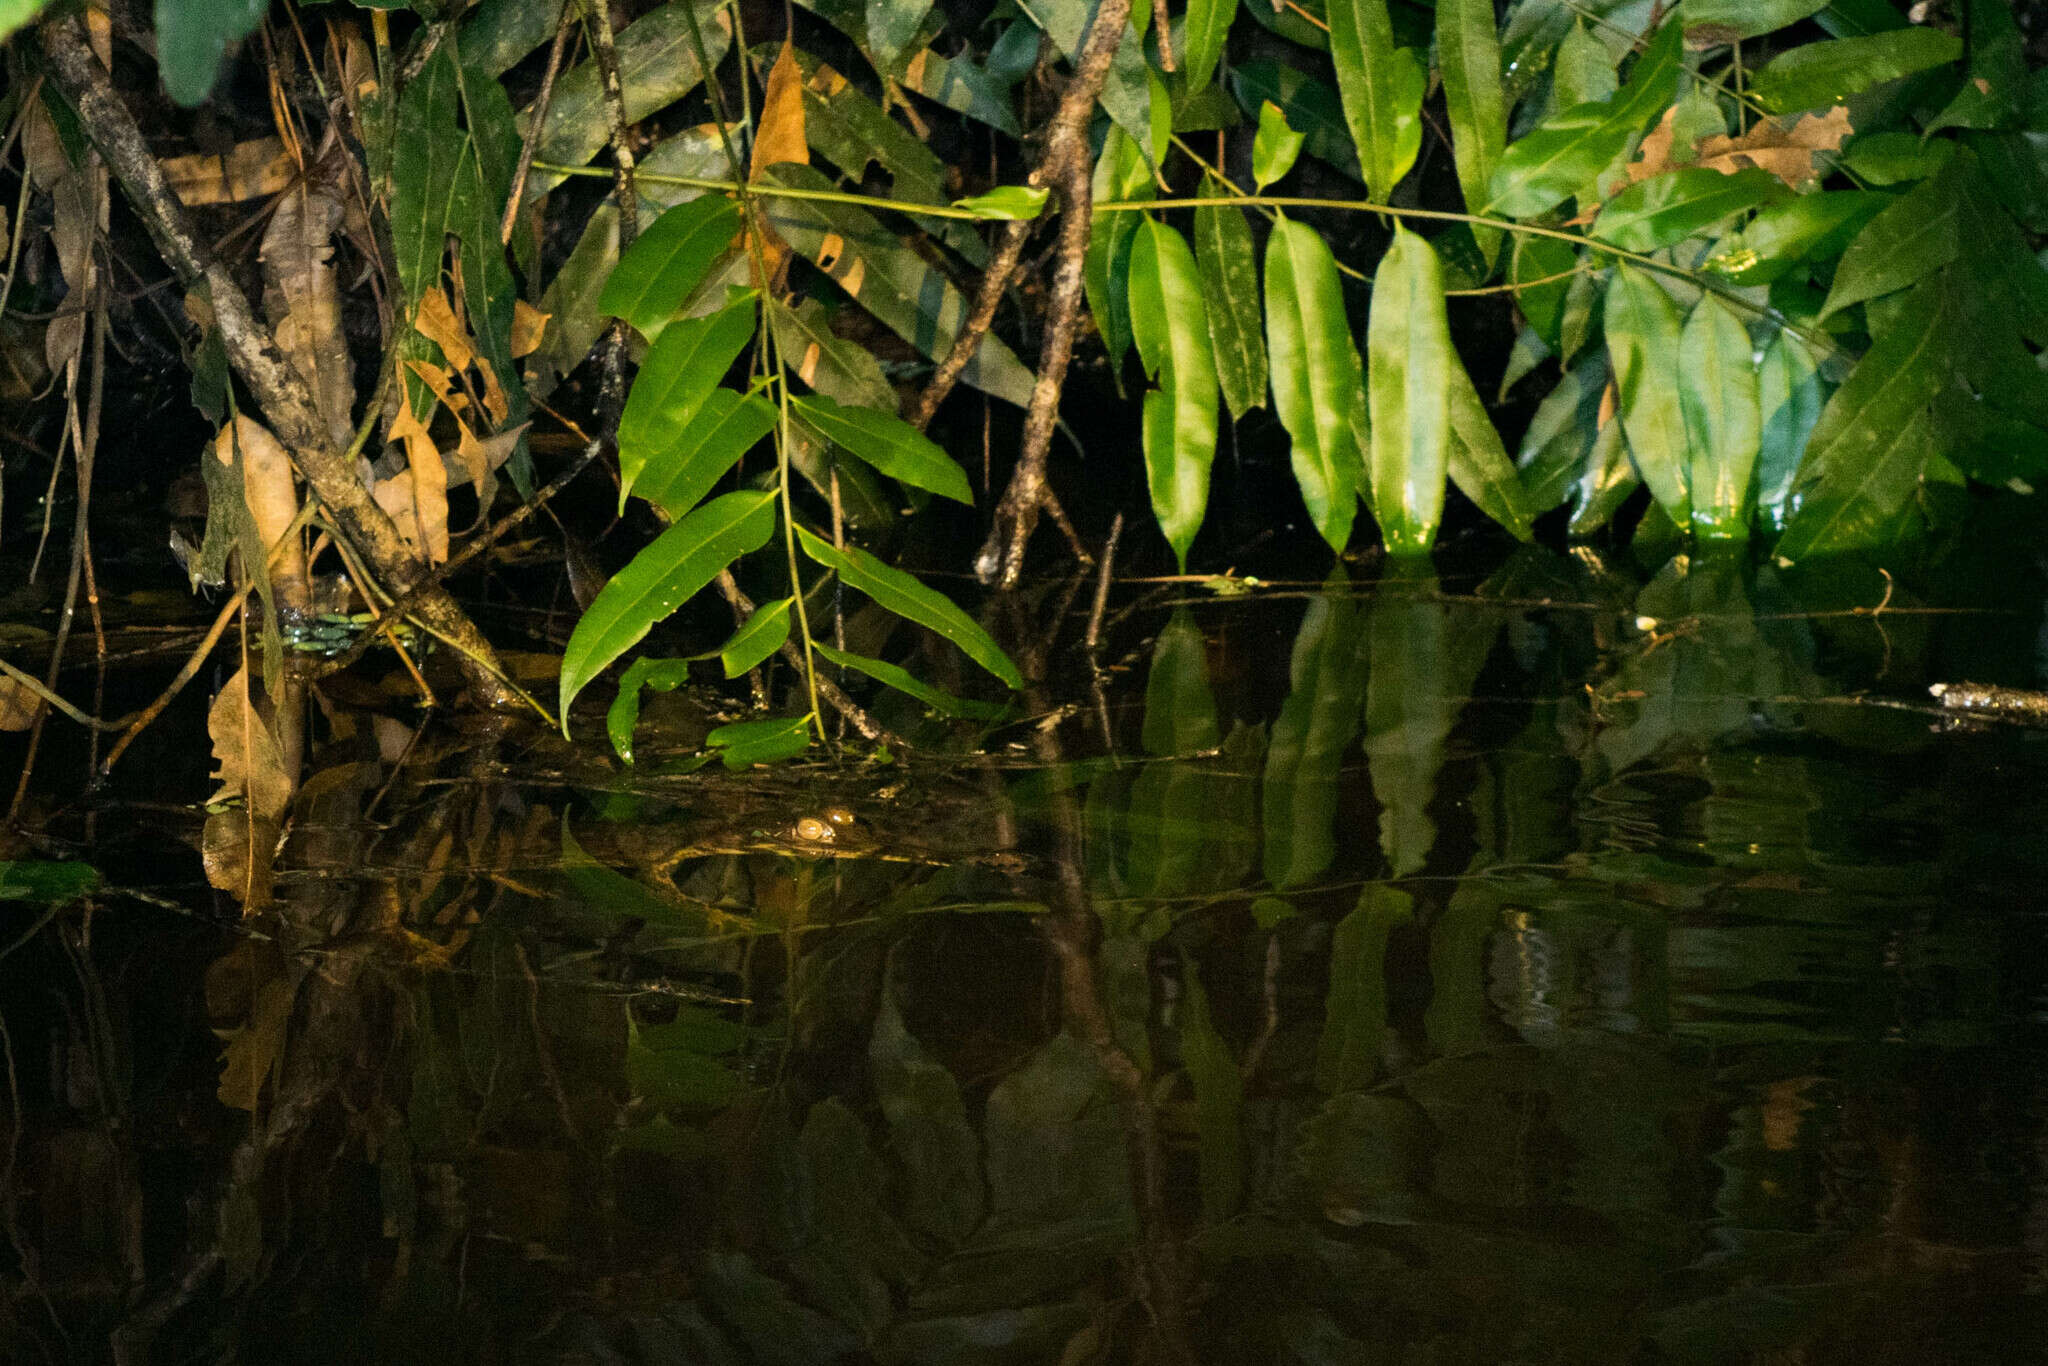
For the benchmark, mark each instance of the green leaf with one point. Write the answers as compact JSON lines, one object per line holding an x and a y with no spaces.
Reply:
{"x":1170,"y":322}
{"x":191,"y":38}
{"x":44,"y":882}
{"x":1717,"y":394}
{"x":888,"y":443}
{"x":667,"y":262}
{"x":660,"y":579}
{"x":680,"y":373}
{"x":1864,"y":458}
{"x":907,"y":598}
{"x":15,"y":14}
{"x":761,"y":636}
{"x":618,"y":897}
{"x":1994,"y":90}
{"x":891,"y":281}
{"x":742,"y":744}
{"x":1642,"y":326}
{"x":1316,"y":375}
{"x":1126,"y":95}
{"x":1541,"y":268}
{"x":662,"y":675}
{"x":1468,"y":53}
{"x":1816,"y":75}
{"x":963,"y":87}
{"x":1746,"y":18}
{"x":428,"y":146}
{"x":1275,"y":147}
{"x":1673,"y":206}
{"x":1007,"y":203}
{"x":1896,"y":157}
{"x":1208,"y":24}
{"x":1409,"y":361}
{"x":1584,"y":70}
{"x":830,"y":364}
{"x":1808,"y":227}
{"x":1230,"y":282}
{"x":1915,"y":236}
{"x":1355,"y":1014}
{"x":892,"y":27}
{"x":1308,"y":105}
{"x":1106,"y":275}
{"x":1544,"y":168}
{"x":675,"y":477}
{"x":1382,"y":88}
{"x":1790,"y":394}
{"x":1478,"y":461}
{"x":904,"y":681}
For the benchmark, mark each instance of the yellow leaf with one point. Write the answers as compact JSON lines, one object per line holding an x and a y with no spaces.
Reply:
{"x":528,"y":324}
{"x":250,"y":170}
{"x":779,"y":136}
{"x":18,"y":706}
{"x":417,"y":499}
{"x":494,"y":392}
{"x":436,"y":322}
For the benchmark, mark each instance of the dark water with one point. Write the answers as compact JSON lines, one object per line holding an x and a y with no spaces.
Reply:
{"x":1529,"y":965}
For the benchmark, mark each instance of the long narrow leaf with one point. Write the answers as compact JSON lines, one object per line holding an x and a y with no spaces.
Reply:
{"x":902,"y":594}
{"x":888,"y":443}
{"x":1382,"y":88}
{"x":1717,"y":393}
{"x":1468,"y":51}
{"x":908,"y":683}
{"x":1642,"y":343}
{"x":679,"y":373}
{"x":667,"y":262}
{"x":1409,"y":364}
{"x":1230,"y":281}
{"x":677,"y":476}
{"x":1479,"y":463}
{"x":1316,"y":375}
{"x":1171,"y":323}
{"x":1543,"y":168}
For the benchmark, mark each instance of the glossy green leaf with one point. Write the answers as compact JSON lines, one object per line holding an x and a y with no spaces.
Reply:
{"x":677,"y":377}
{"x":1007,"y":203}
{"x":1409,"y":363}
{"x":1382,"y":88}
{"x":1745,"y":18}
{"x":657,"y":66}
{"x":677,"y":475}
{"x":1468,"y":54}
{"x":1170,"y":323}
{"x":191,"y":38}
{"x":1106,"y":274}
{"x":1717,"y":395}
{"x":832,"y":365}
{"x":1230,"y":284}
{"x":760,"y":636}
{"x":1275,"y":147}
{"x":668,"y":261}
{"x":1308,"y":106}
{"x":880,"y":270}
{"x":1807,"y":227}
{"x":660,"y":579}
{"x":1316,"y":375}
{"x":1673,"y":206}
{"x":1790,"y":395}
{"x":1816,"y":75}
{"x":1915,"y":236}
{"x":1208,"y":24}
{"x":908,"y":683}
{"x":620,"y":719}
{"x":1866,"y":452}
{"x":1895,"y":158}
{"x":1606,"y":480}
{"x":1584,"y":71}
{"x":16,"y":14}
{"x":1478,"y":460}
{"x":742,"y":744}
{"x":1541,"y":269}
{"x":907,"y":598}
{"x":1542,"y":169}
{"x":888,"y":443}
{"x":1561,"y":433}
{"x":1643,"y":326}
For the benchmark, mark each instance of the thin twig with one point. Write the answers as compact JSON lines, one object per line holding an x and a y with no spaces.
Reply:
{"x":531,"y":142}
{"x":994,"y":280}
{"x":828,"y":691}
{"x":1093,"y":640}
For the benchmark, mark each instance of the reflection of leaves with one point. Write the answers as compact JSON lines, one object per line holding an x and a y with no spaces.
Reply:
{"x":1365,"y":1158}
{"x":676,"y":1065}
{"x":928,"y":1130}
{"x":1219,"y":1100}
{"x":1356,"y":1014}
{"x":1315,"y":727}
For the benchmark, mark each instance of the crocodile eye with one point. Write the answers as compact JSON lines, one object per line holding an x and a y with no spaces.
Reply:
{"x":816,"y":831}
{"x":839,"y":816}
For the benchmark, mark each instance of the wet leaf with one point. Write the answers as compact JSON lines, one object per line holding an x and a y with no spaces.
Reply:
{"x":1274,"y":147}
{"x":1382,"y":88}
{"x":1814,"y":75}
{"x":1478,"y":459}
{"x":874,"y":265}
{"x":661,"y":578}
{"x":1409,"y":365}
{"x":1055,"y":1150}
{"x":1543,"y":168}
{"x":888,"y":443}
{"x":908,"y":683}
{"x":1317,"y":380}
{"x":1809,"y":227}
{"x":660,"y":675}
{"x":1717,"y":394}
{"x":1230,"y":285}
{"x":667,"y":261}
{"x":761,"y":636}
{"x":907,"y":598}
{"x":1915,"y":236}
{"x":1672,"y":207}
{"x":1790,"y":394}
{"x":742,"y":744}
{"x":248,"y":759}
{"x":1355,"y":1015}
{"x":1642,"y":326}
{"x":1468,"y":53}
{"x":1170,"y":323}
{"x":618,"y":897}
{"x":191,"y":38}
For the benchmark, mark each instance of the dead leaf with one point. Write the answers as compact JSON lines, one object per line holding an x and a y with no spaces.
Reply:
{"x":74,"y":217}
{"x":250,"y":170}
{"x":780,"y":135}
{"x":265,"y":989}
{"x":478,"y":459}
{"x":248,"y":756}
{"x":494,"y":392}
{"x":436,"y":322}
{"x":417,"y":500}
{"x":529,"y":324}
{"x":1608,"y":403}
{"x":272,"y":497}
{"x":302,"y":299}
{"x":18,"y":705}
{"x":1786,"y":150}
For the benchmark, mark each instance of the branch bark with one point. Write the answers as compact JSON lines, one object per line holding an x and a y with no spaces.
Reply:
{"x":1064,"y":168}
{"x":283,"y":394}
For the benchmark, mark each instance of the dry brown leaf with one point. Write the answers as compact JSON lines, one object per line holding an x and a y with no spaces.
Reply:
{"x":417,"y":499}
{"x":250,"y":993}
{"x":781,"y":136}
{"x":74,"y":216}
{"x":273,"y":501}
{"x":436,"y":322}
{"x":18,"y":704}
{"x":302,"y":299}
{"x":529,"y":325}
{"x":1786,"y":150}
{"x":250,"y":170}
{"x":248,"y":756}
{"x":494,"y":393}
{"x":477,"y":459}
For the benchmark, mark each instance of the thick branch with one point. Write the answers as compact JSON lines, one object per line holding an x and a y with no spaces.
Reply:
{"x":994,"y":280}
{"x":1065,"y":169}
{"x":280,"y":390}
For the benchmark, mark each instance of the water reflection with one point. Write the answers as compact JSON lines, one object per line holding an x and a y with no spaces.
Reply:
{"x":1524,"y":967}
